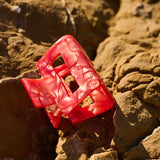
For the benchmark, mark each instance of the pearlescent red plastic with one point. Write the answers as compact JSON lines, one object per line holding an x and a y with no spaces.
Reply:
{"x":52,"y":92}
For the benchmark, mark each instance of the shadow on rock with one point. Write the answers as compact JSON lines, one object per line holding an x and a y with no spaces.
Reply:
{"x":81,"y":140}
{"x":26,"y":132}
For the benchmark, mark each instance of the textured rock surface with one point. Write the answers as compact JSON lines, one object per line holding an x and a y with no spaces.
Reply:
{"x":129,"y":61}
{"x":26,"y":132}
{"x":147,"y":148}
{"x":43,"y":22}
{"x":27,"y":29}
{"x":80,"y":141}
{"x":109,"y":154}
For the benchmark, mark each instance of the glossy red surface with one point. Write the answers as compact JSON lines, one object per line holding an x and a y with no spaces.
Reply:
{"x":52,"y":93}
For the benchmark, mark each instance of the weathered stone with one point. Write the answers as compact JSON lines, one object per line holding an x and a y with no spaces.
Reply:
{"x":25,"y":131}
{"x":25,"y":36}
{"x":83,"y":139}
{"x":109,"y":154}
{"x":152,"y":93}
{"x":147,"y":148}
{"x":132,"y":120}
{"x":131,"y":58}
{"x":48,"y":20}
{"x":128,"y":61}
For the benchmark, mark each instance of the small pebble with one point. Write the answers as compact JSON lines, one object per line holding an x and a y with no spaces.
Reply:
{"x":16,"y":9}
{"x":20,"y":30}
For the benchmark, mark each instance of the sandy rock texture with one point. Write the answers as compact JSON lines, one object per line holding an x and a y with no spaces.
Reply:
{"x":86,"y":139}
{"x":27,"y":29}
{"x":129,"y":62}
{"x":148,"y":147}
{"x":109,"y":154}
{"x":127,"y":59}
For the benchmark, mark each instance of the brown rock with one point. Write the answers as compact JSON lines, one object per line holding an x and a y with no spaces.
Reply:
{"x":132,"y":119}
{"x":109,"y":154}
{"x":152,"y":93}
{"x":48,"y":20}
{"x":128,"y":61}
{"x":131,"y":58}
{"x":29,"y":28}
{"x":147,"y":148}
{"x":81,"y":140}
{"x":25,"y":131}
{"x":20,"y":55}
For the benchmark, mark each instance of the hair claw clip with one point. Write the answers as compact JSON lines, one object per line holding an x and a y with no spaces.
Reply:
{"x":52,"y":92}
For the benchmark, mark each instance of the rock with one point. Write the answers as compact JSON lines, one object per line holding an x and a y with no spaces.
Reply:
{"x":13,"y":41}
{"x":29,"y":28}
{"x":25,"y":131}
{"x":131,"y":58}
{"x":131,"y":122}
{"x":128,"y":61}
{"x":81,"y":140}
{"x":64,"y":17}
{"x":152,"y":93}
{"x":109,"y":154}
{"x":147,"y":148}
{"x":144,"y":11}
{"x":19,"y":55}
{"x":16,"y":9}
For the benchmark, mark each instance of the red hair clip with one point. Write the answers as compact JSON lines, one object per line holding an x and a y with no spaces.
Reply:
{"x":52,"y":92}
